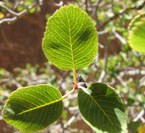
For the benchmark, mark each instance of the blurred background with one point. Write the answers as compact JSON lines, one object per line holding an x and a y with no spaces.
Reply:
{"x":22,"y":62}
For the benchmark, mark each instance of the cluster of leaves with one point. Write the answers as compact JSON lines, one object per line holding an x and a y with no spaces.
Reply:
{"x":124,"y":71}
{"x":35,"y":107}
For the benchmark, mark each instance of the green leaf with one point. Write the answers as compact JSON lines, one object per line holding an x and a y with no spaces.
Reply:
{"x":70,"y":41}
{"x":33,"y":108}
{"x":102,"y":109}
{"x":136,"y":37}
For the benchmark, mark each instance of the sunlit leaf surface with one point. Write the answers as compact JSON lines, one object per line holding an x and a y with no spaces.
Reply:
{"x":70,"y":40}
{"x":33,"y":108}
{"x":136,"y":37}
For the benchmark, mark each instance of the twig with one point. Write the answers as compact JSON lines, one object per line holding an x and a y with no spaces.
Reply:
{"x":132,"y":72}
{"x":86,"y":4}
{"x":102,"y":32}
{"x":122,"y":82}
{"x":71,"y":120}
{"x":72,"y":109}
{"x":136,"y":7}
{"x":119,"y":37}
{"x":9,"y":10}
{"x":103,"y":72}
{"x":101,"y":45}
{"x":142,"y":112}
{"x":16,"y":15}
{"x":67,"y":94}
{"x":95,"y":11}
{"x":59,"y":4}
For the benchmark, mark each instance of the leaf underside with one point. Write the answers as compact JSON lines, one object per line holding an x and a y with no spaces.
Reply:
{"x":102,"y":109}
{"x":136,"y":37}
{"x":70,"y":39}
{"x":33,"y":108}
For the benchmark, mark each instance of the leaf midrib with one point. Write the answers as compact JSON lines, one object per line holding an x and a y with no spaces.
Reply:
{"x":70,"y":42}
{"x":102,"y":111}
{"x":38,"y":107}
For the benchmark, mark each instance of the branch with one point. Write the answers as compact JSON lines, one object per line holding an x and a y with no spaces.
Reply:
{"x":103,"y":72}
{"x":95,"y":10}
{"x":9,"y":10}
{"x":16,"y":15}
{"x":119,"y":37}
{"x":124,"y":84}
{"x":139,"y":116}
{"x":86,"y":4}
{"x":71,"y":120}
{"x":132,"y":72}
{"x":136,"y":7}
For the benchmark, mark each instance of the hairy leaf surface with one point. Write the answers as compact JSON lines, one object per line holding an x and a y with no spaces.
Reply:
{"x":70,"y":39}
{"x":33,"y":108}
{"x":102,"y":109}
